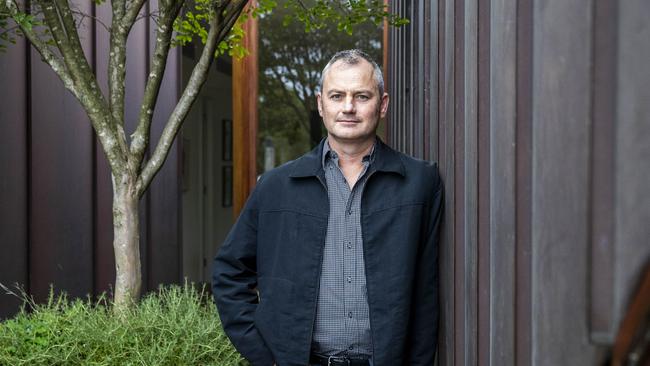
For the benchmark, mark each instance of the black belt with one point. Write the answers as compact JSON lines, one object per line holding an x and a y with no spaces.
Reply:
{"x":337,"y":361}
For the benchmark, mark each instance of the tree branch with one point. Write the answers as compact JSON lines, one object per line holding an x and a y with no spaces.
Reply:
{"x":220,"y":26}
{"x":91,"y":97}
{"x":92,"y":102}
{"x":61,"y":40}
{"x":117,"y":71}
{"x":80,"y":65}
{"x":8,"y":30}
{"x":133,"y":10}
{"x":140,"y":138}
{"x":302,"y":4}
{"x":43,"y":49}
{"x":94,"y":18}
{"x":118,"y":7}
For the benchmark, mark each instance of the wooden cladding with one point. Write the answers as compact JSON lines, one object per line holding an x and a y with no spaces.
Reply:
{"x":537,"y":115}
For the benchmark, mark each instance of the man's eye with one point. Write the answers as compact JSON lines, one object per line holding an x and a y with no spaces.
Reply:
{"x":362,"y":97}
{"x":335,"y":97}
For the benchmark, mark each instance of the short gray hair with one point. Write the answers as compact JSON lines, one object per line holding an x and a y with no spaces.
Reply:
{"x":353,"y":57}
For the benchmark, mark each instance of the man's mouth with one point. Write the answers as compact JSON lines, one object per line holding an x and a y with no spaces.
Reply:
{"x":348,"y":120}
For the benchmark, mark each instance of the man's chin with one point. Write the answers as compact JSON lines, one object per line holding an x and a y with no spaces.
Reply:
{"x":352,"y":137}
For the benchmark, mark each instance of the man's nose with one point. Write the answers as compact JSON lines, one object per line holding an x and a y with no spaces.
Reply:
{"x":348,"y":105}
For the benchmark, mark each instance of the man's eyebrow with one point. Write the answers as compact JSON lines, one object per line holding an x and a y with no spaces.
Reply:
{"x":367,"y":91}
{"x":359,"y":91}
{"x":332,"y":91}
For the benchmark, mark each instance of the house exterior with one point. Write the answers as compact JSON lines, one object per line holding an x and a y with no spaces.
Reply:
{"x":538,"y":113}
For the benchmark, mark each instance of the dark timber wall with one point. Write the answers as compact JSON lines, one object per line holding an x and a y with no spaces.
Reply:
{"x":538,"y":113}
{"x":55,"y":193}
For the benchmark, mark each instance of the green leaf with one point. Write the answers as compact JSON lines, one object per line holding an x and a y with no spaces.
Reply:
{"x":24,"y":20}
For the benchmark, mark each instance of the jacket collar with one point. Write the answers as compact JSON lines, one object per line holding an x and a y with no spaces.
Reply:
{"x":311,"y":164}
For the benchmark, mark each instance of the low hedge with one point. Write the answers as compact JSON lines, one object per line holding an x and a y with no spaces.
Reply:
{"x":176,"y":325}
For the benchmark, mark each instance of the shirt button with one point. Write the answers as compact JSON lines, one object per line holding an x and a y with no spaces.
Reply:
{"x":349,"y":245}
{"x":349,"y":279}
{"x":351,"y":348}
{"x":350,"y":315}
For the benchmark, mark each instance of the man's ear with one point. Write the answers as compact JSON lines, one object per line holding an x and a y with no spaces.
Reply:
{"x":383,"y":107}
{"x":319,"y":103}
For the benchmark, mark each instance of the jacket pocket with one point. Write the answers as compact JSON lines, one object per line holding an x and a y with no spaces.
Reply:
{"x":273,"y":317}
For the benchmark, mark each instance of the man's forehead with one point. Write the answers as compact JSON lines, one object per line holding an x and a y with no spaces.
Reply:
{"x":362,"y":72}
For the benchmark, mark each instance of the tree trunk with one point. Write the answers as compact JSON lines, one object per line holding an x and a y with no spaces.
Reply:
{"x":126,"y":241}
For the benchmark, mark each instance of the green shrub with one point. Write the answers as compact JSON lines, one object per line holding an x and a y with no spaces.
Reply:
{"x":174,"y":326}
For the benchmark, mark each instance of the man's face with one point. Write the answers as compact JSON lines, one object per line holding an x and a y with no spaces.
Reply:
{"x":350,"y":103}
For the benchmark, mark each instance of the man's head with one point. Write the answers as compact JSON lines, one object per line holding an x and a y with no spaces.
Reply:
{"x":352,"y":98}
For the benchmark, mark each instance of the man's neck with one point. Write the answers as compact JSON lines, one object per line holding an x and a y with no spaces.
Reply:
{"x":351,"y":154}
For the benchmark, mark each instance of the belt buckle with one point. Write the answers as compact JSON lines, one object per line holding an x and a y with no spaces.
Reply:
{"x":329,"y":360}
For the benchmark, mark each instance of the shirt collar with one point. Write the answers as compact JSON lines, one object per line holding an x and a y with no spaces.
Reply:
{"x":329,"y":153}
{"x":311,"y":164}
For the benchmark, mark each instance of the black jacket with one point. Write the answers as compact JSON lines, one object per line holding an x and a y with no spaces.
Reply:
{"x":276,"y":247}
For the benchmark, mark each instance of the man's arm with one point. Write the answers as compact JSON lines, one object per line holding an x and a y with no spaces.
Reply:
{"x":234,"y":278}
{"x":424,"y":319}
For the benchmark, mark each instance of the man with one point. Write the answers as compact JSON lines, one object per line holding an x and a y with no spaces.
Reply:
{"x":333,"y":260}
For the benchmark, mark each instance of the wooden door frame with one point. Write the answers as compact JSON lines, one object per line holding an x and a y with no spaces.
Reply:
{"x":245,"y":117}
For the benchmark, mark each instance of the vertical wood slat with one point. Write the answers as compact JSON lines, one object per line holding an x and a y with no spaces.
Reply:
{"x":602,"y":260}
{"x":523,"y":151}
{"x":458,"y":179}
{"x":435,"y":83}
{"x":388,"y":61}
{"x":244,"y":84}
{"x":484,"y":186}
{"x":404,"y":71}
{"x":411,"y":76}
{"x":14,"y":162}
{"x":386,"y":71}
{"x":446,"y":99}
{"x":560,"y":180}
{"x":61,"y":204}
{"x":632,"y":154}
{"x":387,"y":65}
{"x":399,"y":83}
{"x":502,"y":99}
{"x":407,"y":87}
{"x":418,"y":121}
{"x":429,"y":119}
{"x":416,"y":80}
{"x":470,"y":204}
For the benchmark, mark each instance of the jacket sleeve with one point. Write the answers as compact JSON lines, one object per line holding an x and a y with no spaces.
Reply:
{"x":424,"y":318}
{"x":234,"y":279}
